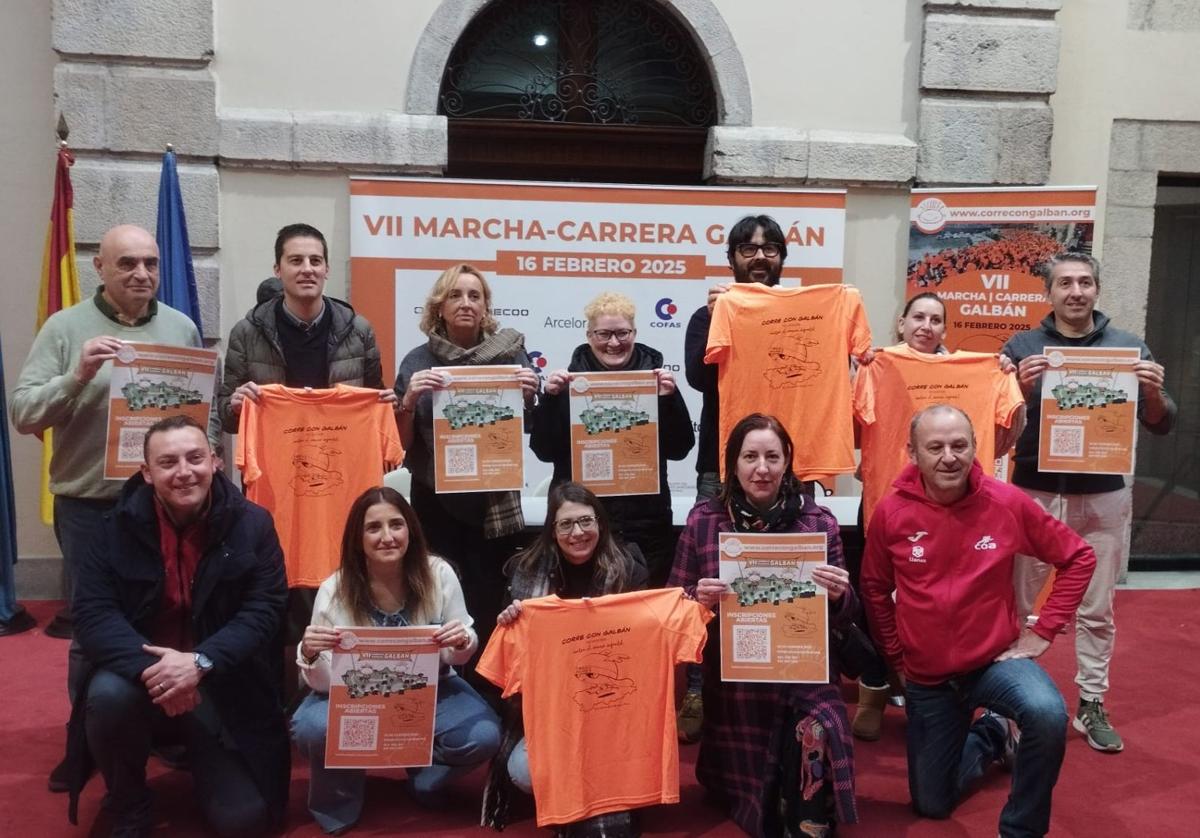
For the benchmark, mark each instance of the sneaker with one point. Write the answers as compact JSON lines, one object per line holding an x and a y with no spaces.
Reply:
{"x":1012,"y":738}
{"x":690,"y":718}
{"x":1090,"y":719}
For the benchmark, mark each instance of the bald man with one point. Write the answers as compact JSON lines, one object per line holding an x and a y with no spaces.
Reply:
{"x":64,"y":386}
{"x":937,"y":584}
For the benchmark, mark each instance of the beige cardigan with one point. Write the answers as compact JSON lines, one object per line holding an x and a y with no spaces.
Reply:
{"x":328,"y":610}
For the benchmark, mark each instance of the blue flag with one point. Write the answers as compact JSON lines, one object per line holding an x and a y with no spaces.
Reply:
{"x":176,"y":278}
{"x":8,"y":517}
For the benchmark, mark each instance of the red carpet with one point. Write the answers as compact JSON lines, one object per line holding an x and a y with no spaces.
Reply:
{"x":1151,"y":789}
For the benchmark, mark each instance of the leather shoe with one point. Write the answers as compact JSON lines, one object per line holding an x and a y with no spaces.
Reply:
{"x":59,"y":627}
{"x":21,"y":621}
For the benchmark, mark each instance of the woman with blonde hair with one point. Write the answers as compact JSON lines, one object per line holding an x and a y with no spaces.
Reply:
{"x":475,"y":531}
{"x":612,"y":345}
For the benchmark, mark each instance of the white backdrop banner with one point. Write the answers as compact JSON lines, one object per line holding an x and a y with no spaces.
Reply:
{"x":547,"y":249}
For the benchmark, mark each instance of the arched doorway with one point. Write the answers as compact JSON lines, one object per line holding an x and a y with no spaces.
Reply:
{"x":609,"y":91}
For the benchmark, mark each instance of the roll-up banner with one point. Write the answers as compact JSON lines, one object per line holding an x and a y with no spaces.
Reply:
{"x":547,"y":249}
{"x":978,"y":248}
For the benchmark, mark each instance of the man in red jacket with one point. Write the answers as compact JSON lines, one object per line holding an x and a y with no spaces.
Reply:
{"x":944,"y":541}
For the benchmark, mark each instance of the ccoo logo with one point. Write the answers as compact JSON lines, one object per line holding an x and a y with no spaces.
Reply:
{"x":665,"y":309}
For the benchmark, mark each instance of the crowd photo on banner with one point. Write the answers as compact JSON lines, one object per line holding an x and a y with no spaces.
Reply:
{"x":535,"y":508}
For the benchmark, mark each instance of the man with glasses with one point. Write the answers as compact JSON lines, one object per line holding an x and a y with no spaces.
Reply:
{"x":756,"y":251}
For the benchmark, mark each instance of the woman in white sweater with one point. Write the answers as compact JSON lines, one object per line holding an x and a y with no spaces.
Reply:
{"x":388,"y":578}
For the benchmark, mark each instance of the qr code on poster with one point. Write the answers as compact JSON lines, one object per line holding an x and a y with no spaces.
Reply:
{"x":462,"y":461}
{"x":1066,"y":441}
{"x":751,"y":644}
{"x":358,"y":733}
{"x":597,"y":466}
{"x":129,"y":445}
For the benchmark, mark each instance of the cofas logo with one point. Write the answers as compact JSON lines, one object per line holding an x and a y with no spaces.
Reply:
{"x":665,"y":309}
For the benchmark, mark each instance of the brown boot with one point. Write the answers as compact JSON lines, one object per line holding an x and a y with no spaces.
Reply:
{"x":869,"y":719}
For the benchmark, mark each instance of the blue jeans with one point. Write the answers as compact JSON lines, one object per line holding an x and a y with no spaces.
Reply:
{"x":947,"y":753}
{"x":518,"y":768}
{"x":466,"y":732}
{"x":122,"y":726}
{"x":78,"y":525}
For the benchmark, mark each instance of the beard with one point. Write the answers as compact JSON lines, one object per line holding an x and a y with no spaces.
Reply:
{"x":746,"y":274}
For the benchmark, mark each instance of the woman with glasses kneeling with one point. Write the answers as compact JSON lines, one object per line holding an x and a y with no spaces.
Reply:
{"x":778,"y":757}
{"x":612,"y":346}
{"x":387,"y":578}
{"x":575,"y":556}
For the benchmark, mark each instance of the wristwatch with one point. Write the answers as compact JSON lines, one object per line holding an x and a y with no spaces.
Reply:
{"x":203,"y":662}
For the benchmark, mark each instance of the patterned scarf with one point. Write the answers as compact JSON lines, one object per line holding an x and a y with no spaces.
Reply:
{"x":781,"y":515}
{"x":502,"y":510}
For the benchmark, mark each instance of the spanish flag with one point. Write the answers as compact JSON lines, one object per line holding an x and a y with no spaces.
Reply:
{"x":60,"y":286}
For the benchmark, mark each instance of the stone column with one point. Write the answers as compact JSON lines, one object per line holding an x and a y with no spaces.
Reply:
{"x":988,"y":68}
{"x":134,"y":76}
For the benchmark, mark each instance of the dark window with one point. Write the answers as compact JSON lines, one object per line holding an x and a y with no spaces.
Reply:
{"x":577,"y":90}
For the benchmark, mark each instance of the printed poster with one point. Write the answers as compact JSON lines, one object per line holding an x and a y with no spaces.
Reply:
{"x":547,"y":249}
{"x":382,"y":698}
{"x":151,"y":382}
{"x":977,"y":249}
{"x":478,"y":429}
{"x":1089,"y":410}
{"x":614,"y":432}
{"x":775,"y":620}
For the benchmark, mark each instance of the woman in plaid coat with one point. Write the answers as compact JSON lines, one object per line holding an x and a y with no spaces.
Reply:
{"x":778,"y":757}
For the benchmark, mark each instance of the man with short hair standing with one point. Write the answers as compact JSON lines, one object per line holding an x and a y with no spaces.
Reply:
{"x":177,"y":607}
{"x":64,"y":385}
{"x":756,"y":250}
{"x":301,"y":338}
{"x":945,"y":542}
{"x":1097,"y":506}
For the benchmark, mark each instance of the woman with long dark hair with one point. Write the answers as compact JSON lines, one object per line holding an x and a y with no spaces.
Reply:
{"x":778,"y":757}
{"x":388,"y":578}
{"x":575,"y":556}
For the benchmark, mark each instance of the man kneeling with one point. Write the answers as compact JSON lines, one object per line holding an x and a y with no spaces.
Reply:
{"x":945,"y":542}
{"x":177,"y":609}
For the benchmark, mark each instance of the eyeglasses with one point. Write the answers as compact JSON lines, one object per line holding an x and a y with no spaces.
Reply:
{"x":605,"y":335}
{"x":566,"y":526}
{"x":748,"y":250}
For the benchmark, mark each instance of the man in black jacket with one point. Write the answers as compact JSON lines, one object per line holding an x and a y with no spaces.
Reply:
{"x":177,"y":608}
{"x":756,"y":250}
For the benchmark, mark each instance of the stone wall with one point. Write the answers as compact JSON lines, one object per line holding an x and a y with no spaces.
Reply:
{"x":988,"y":68}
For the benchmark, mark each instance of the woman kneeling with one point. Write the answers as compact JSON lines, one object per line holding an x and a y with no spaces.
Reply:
{"x":777,"y":757}
{"x":387,"y":578}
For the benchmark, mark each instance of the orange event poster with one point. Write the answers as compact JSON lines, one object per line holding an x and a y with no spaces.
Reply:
{"x":478,"y":427}
{"x":775,"y":619}
{"x":614,"y":432}
{"x":382,"y":698}
{"x":1089,"y":410}
{"x":977,"y":249}
{"x":151,"y":382}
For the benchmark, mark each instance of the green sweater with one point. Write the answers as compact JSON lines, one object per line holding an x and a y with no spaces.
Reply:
{"x":48,"y":396}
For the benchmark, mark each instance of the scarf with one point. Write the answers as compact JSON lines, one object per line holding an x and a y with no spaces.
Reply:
{"x":501,"y":510}
{"x":781,"y":515}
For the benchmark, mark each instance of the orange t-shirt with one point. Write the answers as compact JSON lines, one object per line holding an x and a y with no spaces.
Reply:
{"x":597,"y":676}
{"x":901,"y":381}
{"x":306,"y":455}
{"x":785,"y":352}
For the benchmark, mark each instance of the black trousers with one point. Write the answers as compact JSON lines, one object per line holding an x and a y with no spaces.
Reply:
{"x":123,"y":724}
